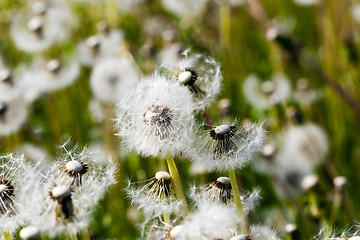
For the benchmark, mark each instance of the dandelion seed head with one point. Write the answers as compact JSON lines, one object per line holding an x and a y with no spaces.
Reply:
{"x":199,"y":73}
{"x":240,"y":237}
{"x":13,"y":114}
{"x":267,"y":94}
{"x":30,"y":233}
{"x":155,"y":197}
{"x":259,"y":232}
{"x":112,"y":78}
{"x":229,"y":146}
{"x":156,"y":118}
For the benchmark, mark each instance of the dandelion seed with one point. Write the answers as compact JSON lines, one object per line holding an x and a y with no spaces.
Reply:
{"x":156,"y":118}
{"x":156,"y":197}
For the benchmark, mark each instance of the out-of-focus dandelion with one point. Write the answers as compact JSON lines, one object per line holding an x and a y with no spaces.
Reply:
{"x":266,"y":94}
{"x":37,"y":32}
{"x":112,"y":78}
{"x":200,"y":74}
{"x":103,"y":45}
{"x":306,"y":2}
{"x":156,"y":118}
{"x":13,"y":114}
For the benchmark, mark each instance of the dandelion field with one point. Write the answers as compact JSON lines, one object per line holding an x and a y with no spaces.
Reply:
{"x":140,"y":119}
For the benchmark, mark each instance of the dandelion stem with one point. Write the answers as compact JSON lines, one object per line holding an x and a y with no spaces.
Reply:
{"x":236,"y":192}
{"x":7,"y":236}
{"x":177,"y":181}
{"x":85,"y":234}
{"x":167,"y":218}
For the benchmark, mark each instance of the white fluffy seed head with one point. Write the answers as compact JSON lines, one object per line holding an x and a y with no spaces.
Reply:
{"x":30,"y":233}
{"x":176,"y":231}
{"x":224,"y":180}
{"x":74,"y":166}
{"x":162,"y":175}
{"x":222,"y":129}
{"x":2,"y":188}
{"x":185,"y":77}
{"x":61,"y":191}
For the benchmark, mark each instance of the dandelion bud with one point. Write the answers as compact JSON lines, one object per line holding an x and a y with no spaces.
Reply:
{"x":30,"y":233}
{"x":62,"y":194}
{"x":93,"y":43}
{"x":6,"y":76}
{"x":36,"y":25}
{"x":176,"y":232}
{"x":309,"y":181}
{"x":53,"y":66}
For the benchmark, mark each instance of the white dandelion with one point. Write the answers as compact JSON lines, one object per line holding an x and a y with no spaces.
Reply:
{"x":15,"y":179}
{"x":68,"y":192}
{"x":227,"y":147}
{"x":13,"y":114}
{"x":100,"y":46}
{"x":266,"y":94}
{"x":112,"y":78}
{"x":156,"y":197}
{"x":156,"y":118}
{"x":220,"y":191}
{"x":199,"y":73}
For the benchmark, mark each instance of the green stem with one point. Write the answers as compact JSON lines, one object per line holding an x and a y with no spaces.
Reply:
{"x":175,"y":177}
{"x":167,"y":218}
{"x":7,"y":236}
{"x":85,"y":234}
{"x":236,"y":192}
